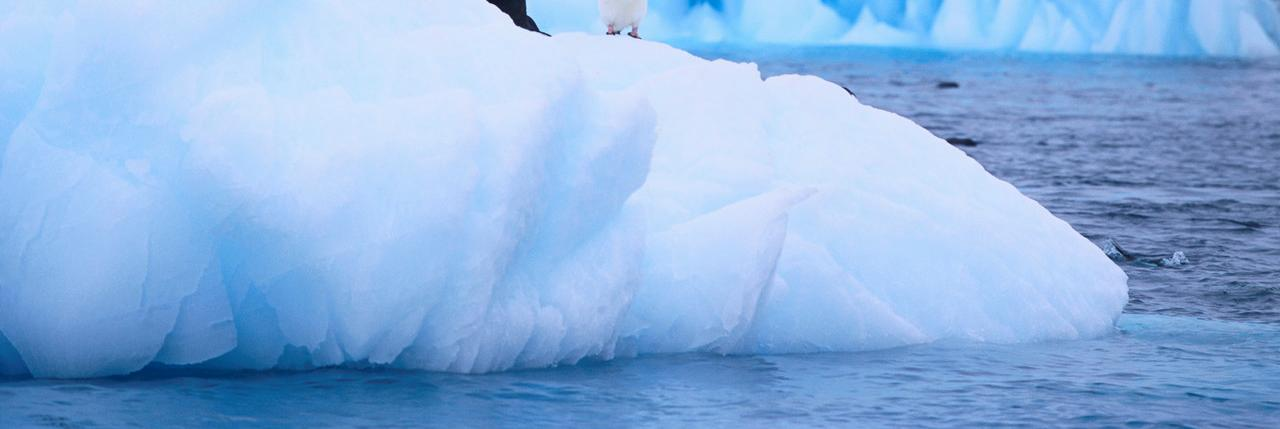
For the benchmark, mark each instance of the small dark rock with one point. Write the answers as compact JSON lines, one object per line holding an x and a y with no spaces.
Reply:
{"x":962,"y":141}
{"x":518,"y":12}
{"x":948,"y":85}
{"x":850,"y":91}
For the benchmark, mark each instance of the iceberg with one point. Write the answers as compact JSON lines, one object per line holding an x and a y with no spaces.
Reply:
{"x":419,"y":184}
{"x":1223,"y":28}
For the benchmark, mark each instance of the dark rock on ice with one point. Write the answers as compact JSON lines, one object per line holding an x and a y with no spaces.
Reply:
{"x":519,"y":13}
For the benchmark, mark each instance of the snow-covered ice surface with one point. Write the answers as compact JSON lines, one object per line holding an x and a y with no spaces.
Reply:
{"x":1148,"y":27}
{"x":418,"y":184}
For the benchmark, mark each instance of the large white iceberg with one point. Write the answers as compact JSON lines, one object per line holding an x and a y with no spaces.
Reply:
{"x":1148,"y":27}
{"x":420,"y":184}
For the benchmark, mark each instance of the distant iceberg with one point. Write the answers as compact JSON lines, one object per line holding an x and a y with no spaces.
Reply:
{"x":1229,"y":28}
{"x":420,"y":184}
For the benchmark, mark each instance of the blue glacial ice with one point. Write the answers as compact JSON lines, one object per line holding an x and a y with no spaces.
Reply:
{"x":1147,"y":27}
{"x":421,"y":185}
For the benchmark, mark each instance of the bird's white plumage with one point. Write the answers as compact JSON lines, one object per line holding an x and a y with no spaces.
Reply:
{"x":623,"y":13}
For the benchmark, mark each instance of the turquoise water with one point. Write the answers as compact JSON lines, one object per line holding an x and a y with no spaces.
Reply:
{"x":1153,"y":156}
{"x":1156,"y":371}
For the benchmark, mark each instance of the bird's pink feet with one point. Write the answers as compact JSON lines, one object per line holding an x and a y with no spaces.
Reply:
{"x":635,"y":33}
{"x":612,"y":31}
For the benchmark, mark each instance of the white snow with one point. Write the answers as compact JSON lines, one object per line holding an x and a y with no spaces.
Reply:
{"x":422,"y":185}
{"x":1229,"y":28}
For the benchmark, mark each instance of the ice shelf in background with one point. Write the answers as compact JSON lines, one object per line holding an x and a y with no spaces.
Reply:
{"x":1149,"y":27}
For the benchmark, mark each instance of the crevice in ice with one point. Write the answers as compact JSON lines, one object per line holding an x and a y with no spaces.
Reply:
{"x":11,"y":363}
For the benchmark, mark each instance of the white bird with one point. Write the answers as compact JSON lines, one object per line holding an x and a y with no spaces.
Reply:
{"x":620,"y":14}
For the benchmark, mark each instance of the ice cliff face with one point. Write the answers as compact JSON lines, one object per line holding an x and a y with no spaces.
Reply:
{"x":1147,"y":27}
{"x":420,"y":184}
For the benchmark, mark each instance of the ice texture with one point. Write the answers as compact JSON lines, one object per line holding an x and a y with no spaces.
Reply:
{"x":1229,"y":28}
{"x":419,"y":184}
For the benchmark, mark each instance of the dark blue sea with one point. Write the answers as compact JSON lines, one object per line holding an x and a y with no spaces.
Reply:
{"x":1170,"y":165}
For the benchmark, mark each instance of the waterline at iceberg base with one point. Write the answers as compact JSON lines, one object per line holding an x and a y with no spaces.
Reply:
{"x":420,"y":185}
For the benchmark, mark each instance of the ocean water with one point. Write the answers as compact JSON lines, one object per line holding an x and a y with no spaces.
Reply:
{"x":1155,"y":156}
{"x":1173,"y":165}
